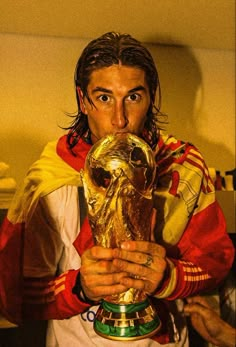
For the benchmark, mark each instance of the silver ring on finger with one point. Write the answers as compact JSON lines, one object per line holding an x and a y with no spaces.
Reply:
{"x":149,"y":261}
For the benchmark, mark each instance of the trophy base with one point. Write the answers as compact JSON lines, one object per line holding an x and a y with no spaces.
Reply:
{"x":126,"y":322}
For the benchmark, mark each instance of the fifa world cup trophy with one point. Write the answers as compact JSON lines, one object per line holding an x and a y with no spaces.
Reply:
{"x":118,"y":178}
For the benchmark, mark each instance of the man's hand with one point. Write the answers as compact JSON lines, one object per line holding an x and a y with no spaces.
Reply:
{"x":99,"y":276}
{"x":143,"y":262}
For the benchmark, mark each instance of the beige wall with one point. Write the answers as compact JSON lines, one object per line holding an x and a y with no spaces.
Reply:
{"x":36,"y":88}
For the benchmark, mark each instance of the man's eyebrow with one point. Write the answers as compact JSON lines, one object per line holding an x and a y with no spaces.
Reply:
{"x":136,"y":89}
{"x":101,"y":89}
{"x":108,"y":91}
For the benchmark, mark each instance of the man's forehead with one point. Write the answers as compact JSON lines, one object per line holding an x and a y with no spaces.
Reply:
{"x":114,"y":75}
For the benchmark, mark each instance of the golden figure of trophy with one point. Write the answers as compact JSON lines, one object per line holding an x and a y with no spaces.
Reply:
{"x":118,"y":178}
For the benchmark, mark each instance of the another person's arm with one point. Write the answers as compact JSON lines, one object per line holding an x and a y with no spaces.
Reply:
{"x":208,"y":324}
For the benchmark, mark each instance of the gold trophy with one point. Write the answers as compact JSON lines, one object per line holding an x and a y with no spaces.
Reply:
{"x":118,"y":178}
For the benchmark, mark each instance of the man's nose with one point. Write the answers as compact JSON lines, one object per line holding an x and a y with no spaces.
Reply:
{"x":119,"y":119}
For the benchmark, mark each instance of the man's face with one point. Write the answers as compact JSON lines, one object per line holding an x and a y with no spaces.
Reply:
{"x":120,"y":98}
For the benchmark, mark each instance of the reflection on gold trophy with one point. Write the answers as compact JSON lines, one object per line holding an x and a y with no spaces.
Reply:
{"x":118,"y":178}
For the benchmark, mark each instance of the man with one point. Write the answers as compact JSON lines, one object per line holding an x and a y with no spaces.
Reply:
{"x":65,"y":275}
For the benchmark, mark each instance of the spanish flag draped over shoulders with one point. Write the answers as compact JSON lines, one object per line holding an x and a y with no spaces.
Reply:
{"x":46,"y":175}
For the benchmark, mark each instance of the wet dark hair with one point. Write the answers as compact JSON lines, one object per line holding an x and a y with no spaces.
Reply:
{"x":109,"y":49}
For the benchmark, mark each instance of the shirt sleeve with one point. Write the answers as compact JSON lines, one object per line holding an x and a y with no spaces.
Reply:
{"x":51,"y":263}
{"x":189,"y":224}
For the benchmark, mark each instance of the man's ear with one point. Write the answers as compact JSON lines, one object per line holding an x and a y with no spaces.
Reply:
{"x":81,"y":100}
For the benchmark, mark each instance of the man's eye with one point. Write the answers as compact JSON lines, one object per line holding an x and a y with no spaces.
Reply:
{"x":134,"y":97}
{"x":104,"y":98}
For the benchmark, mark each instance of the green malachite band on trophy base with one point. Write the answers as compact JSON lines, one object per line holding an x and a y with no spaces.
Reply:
{"x":126,"y":322}
{"x":125,"y":308}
